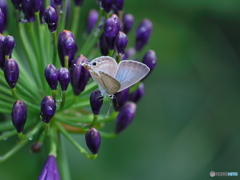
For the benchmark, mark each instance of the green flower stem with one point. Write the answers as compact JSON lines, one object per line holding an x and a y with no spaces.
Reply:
{"x":119,"y":58}
{"x":42,"y":56}
{"x":18,"y":146}
{"x":28,"y":52}
{"x":63,"y":161}
{"x":95,"y":118}
{"x":63,"y":99}
{"x":14,"y":93}
{"x":76,"y":18}
{"x":107,"y":135}
{"x":134,"y":87}
{"x":74,"y":143}
{"x":6,"y":105}
{"x":46,"y":128}
{"x":33,"y":39}
{"x":61,"y":16}
{"x":94,"y":35}
{"x":54,"y":42}
{"x":21,"y":136}
{"x":47,"y":3}
{"x":77,"y":125}
{"x":54,"y":94}
{"x":66,"y":61}
{"x":53,"y":141}
{"x":110,"y":53}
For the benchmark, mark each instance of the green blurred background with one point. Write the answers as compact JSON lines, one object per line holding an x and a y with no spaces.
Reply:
{"x":188,"y":122}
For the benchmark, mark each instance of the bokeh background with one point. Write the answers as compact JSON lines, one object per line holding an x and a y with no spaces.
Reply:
{"x":188,"y":122}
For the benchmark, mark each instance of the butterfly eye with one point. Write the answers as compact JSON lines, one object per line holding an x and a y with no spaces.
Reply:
{"x":94,"y":63}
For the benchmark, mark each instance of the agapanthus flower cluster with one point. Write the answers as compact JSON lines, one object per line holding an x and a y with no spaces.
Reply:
{"x":44,"y":89}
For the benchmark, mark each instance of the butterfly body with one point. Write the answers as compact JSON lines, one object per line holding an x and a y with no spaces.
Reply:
{"x":112,"y":77}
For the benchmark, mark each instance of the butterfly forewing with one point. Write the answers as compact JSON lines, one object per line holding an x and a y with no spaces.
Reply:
{"x":130,"y":72}
{"x":111,"y":85}
{"x":105,"y":64}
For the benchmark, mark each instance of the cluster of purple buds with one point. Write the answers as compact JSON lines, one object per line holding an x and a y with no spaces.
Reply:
{"x":50,"y":61}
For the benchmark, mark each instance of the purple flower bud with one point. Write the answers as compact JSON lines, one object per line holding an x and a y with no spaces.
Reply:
{"x":150,"y":59}
{"x":11,"y":72}
{"x":19,"y":115}
{"x":143,"y":33}
{"x":63,"y":78}
{"x":50,"y":170}
{"x":58,"y":2}
{"x":1,"y":21}
{"x":66,"y":46}
{"x":2,"y":54}
{"x":52,"y":4}
{"x":137,"y":94}
{"x":78,"y":2}
{"x":36,"y":147}
{"x":128,"y":22}
{"x":119,"y":4}
{"x":111,"y":29}
{"x":93,"y":140}
{"x":129,"y":53}
{"x":4,"y":8}
{"x":51,"y":18}
{"x":51,"y":75}
{"x":96,"y":101}
{"x":79,"y":75}
{"x":8,"y":44}
{"x":103,"y":46}
{"x":17,"y":4}
{"x":28,"y":11}
{"x":125,"y":116}
{"x":36,"y":5}
{"x":48,"y":108}
{"x":121,"y":42}
{"x":92,"y":20}
{"x":120,"y":99}
{"x":106,"y":5}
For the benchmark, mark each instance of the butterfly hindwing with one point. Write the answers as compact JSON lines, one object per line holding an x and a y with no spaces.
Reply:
{"x":130,"y":72}
{"x":111,"y":85}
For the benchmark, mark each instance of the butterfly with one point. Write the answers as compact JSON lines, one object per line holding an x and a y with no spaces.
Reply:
{"x":112,"y":77}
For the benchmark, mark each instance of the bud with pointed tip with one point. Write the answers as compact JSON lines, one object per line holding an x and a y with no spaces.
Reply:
{"x":51,"y":75}
{"x":48,"y":108}
{"x":128,"y":22}
{"x":120,"y":98}
{"x":125,"y":116}
{"x":50,"y":170}
{"x":11,"y":72}
{"x":143,"y":33}
{"x":121,"y":42}
{"x":2,"y":54}
{"x":8,"y":44}
{"x":96,"y":101}
{"x":111,"y":29}
{"x":93,"y":140}
{"x":64,"y":78}
{"x":92,"y":20}
{"x":51,"y":18}
{"x":66,"y":46}
{"x":150,"y":59}
{"x":79,"y":75}
{"x":137,"y":94}
{"x":19,"y":115}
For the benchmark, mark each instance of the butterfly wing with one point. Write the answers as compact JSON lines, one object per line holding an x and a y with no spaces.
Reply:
{"x":105,"y":64}
{"x":110,"y":84}
{"x":130,"y":72}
